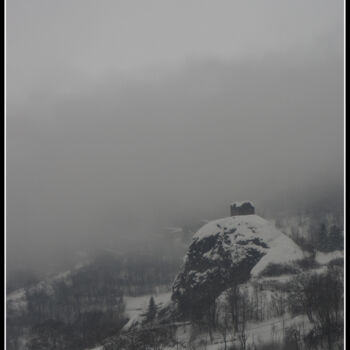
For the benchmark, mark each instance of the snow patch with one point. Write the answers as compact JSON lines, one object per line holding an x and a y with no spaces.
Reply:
{"x":248,"y":225}
{"x":325,"y":258}
{"x":282,"y":250}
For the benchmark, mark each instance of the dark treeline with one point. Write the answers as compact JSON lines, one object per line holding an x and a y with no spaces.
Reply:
{"x":85,"y":305}
{"x":135,"y":274}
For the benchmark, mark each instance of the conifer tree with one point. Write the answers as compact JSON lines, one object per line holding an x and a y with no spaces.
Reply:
{"x":152,"y":310}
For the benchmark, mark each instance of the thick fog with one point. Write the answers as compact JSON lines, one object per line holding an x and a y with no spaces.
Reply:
{"x":125,"y":117}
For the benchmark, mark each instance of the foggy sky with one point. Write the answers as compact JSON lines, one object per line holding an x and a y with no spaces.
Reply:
{"x":124,"y":117}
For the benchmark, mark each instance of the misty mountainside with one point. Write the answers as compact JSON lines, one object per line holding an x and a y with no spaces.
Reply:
{"x":238,"y":271}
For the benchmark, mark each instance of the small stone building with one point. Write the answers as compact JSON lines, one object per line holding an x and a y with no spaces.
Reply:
{"x":242,"y":208}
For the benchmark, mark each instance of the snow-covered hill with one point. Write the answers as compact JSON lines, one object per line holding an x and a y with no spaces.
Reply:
{"x":229,"y":250}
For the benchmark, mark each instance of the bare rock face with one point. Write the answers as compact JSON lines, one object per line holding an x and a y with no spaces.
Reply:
{"x":242,"y":208}
{"x":227,"y":251}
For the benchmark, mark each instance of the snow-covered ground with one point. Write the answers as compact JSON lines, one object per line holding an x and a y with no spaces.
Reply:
{"x":136,"y":306}
{"x":257,"y":333}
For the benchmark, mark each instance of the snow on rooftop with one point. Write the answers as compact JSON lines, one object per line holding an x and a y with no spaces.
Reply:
{"x":239,"y":204}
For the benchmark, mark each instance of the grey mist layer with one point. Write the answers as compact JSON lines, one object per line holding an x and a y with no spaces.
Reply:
{"x":125,"y":117}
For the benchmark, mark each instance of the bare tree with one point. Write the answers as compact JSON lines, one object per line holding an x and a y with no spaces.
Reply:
{"x":233,"y":301}
{"x":320,"y":296}
{"x":225,"y":324}
{"x":242,"y":335}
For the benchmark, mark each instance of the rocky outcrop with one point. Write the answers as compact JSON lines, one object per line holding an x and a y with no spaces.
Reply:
{"x":224,"y":252}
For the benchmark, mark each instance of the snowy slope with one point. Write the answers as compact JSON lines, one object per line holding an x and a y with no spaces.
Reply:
{"x":282,"y":250}
{"x":135,"y":307}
